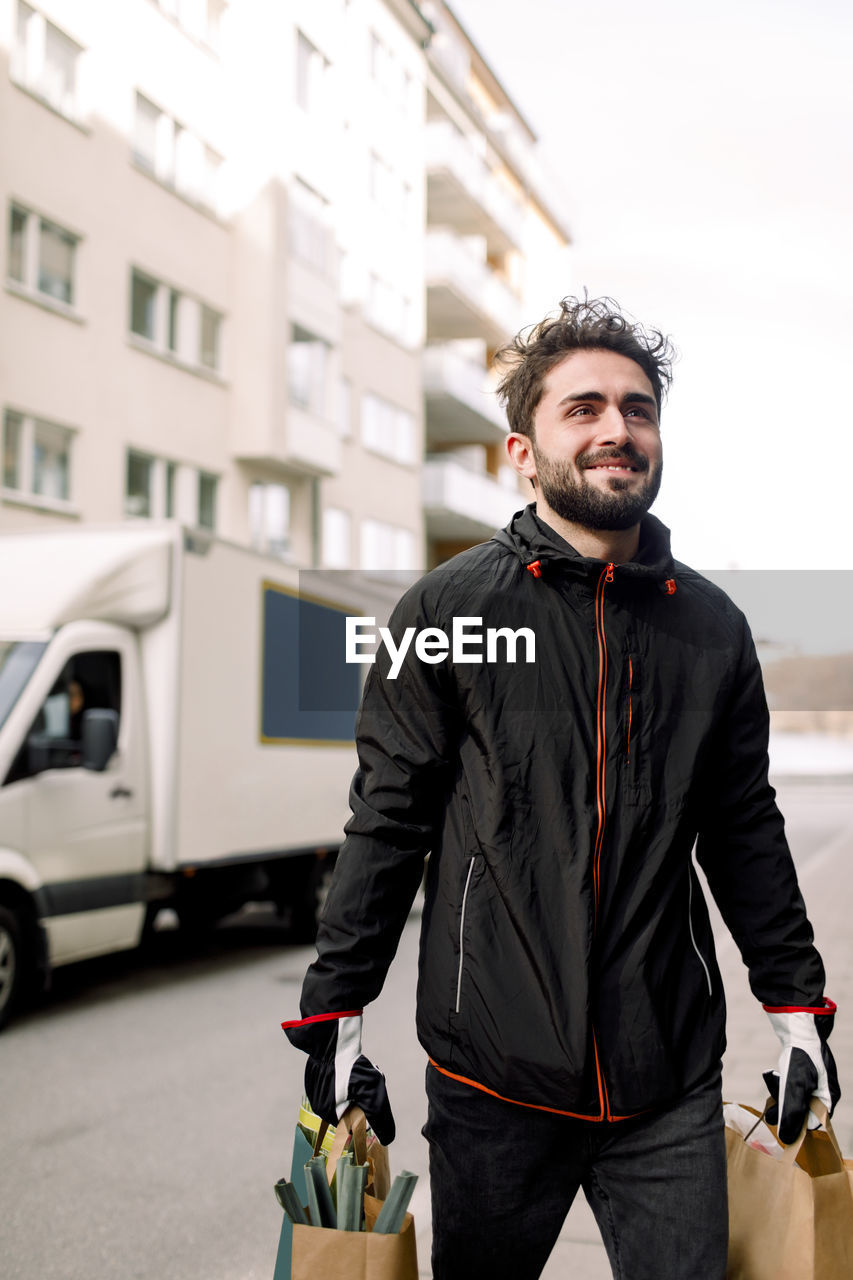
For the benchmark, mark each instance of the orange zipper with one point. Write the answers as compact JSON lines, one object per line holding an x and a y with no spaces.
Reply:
{"x":601,"y":799}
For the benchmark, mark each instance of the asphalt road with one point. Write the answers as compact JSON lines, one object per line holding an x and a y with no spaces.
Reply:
{"x":147,"y":1105}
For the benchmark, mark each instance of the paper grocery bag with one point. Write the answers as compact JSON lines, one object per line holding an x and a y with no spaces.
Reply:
{"x":302,"y":1153}
{"x":322,"y":1254}
{"x":354,"y":1254}
{"x":791,"y":1217}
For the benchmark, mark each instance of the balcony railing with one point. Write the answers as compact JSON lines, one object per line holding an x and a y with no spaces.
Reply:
{"x":465,"y":299}
{"x":300,"y":441}
{"x":464,"y":193}
{"x":463,"y":504}
{"x":461,"y":405}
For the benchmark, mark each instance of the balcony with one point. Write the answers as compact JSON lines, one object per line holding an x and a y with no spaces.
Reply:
{"x":463,"y":193}
{"x":465,"y":299}
{"x":464,"y":505}
{"x":300,"y":442}
{"x":461,"y":406}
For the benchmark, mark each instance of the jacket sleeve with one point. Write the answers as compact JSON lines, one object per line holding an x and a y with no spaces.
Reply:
{"x":406,"y":739}
{"x":744,"y":853}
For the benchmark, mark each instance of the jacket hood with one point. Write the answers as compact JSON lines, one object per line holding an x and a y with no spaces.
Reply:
{"x":529,"y":538}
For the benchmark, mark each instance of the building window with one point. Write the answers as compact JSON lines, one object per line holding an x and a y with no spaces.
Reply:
{"x":174,"y":155}
{"x":36,"y":457}
{"x":143,"y":302}
{"x":56,"y":262}
{"x":199,"y":18}
{"x":310,"y":234}
{"x":269,"y":517}
{"x":214,"y":12}
{"x":41,"y":255}
{"x":211,"y":322}
{"x":389,"y":191}
{"x":148,"y":148}
{"x":207,"y":500}
{"x":173,"y":299}
{"x":381,"y":62}
{"x":311,"y":68}
{"x":388,"y":430}
{"x":139,"y":485}
{"x":51,"y":446}
{"x":171,"y":476}
{"x":46,"y":61}
{"x":388,"y":310}
{"x":387,"y":547}
{"x":174,"y":323}
{"x":159,"y":488}
{"x":337,"y":539}
{"x":13,"y":430}
{"x":307,"y":365}
{"x":17,"y":244}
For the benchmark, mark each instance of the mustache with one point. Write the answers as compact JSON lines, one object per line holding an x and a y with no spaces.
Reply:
{"x":628,"y":453}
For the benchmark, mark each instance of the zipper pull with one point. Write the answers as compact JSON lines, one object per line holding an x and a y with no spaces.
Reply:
{"x":608,"y":573}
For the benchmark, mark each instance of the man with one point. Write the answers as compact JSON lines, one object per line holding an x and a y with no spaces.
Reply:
{"x":569,"y":999}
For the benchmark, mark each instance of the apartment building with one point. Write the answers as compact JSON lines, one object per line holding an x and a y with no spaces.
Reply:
{"x":489,"y":214}
{"x":238,"y":241}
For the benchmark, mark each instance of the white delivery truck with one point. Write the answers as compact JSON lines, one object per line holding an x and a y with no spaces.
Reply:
{"x":176,"y":729}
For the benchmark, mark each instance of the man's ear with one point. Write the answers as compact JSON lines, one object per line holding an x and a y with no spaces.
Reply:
{"x":519,"y":449}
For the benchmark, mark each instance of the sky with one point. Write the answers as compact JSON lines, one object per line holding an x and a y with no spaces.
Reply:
{"x":703,"y":153}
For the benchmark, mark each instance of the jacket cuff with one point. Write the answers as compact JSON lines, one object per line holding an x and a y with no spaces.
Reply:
{"x":826,"y":1006}
{"x":321,"y":1017}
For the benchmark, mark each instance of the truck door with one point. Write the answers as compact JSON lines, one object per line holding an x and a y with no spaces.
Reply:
{"x":86,"y":832}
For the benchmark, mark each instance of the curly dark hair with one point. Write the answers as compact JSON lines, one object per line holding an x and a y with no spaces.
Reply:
{"x":587,"y":324}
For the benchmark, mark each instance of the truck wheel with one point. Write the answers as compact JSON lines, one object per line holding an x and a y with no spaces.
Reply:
{"x":12,"y":963}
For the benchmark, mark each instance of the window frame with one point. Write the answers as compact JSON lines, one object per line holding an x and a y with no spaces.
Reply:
{"x":211,"y":479}
{"x":177,"y":320}
{"x":181,"y":161}
{"x":30,"y":256}
{"x":259,"y":518}
{"x":28,"y":427}
{"x":29,"y":63}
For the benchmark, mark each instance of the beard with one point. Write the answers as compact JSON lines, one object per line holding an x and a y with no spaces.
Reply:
{"x":570,"y":495}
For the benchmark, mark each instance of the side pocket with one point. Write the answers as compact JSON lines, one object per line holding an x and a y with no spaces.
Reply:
{"x":690,"y":922}
{"x":462,"y":932}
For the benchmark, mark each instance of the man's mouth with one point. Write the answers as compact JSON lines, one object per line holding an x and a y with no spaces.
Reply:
{"x":618,"y":467}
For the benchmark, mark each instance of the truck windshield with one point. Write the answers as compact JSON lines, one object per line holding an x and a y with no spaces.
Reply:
{"x":18,"y":660}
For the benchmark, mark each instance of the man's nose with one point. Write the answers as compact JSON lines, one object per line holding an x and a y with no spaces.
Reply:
{"x":612,"y":427}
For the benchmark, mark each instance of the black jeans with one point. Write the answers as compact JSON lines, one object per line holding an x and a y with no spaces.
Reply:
{"x":503,"y":1178}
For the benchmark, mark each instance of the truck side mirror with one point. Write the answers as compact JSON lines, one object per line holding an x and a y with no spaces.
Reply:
{"x":99,"y":738}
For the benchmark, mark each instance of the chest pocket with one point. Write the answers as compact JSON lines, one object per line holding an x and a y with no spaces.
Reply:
{"x":635,"y":724}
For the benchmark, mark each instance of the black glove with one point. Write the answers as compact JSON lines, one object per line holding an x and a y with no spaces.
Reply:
{"x":806,"y":1067}
{"x":337,"y":1074}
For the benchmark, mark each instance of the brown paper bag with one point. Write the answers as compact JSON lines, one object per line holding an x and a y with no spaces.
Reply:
{"x":322,"y":1254}
{"x":790,"y":1218}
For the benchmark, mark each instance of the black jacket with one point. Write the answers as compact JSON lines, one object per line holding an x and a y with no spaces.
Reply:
{"x":567,"y":960}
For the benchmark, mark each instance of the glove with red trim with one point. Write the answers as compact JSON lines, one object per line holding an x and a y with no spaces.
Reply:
{"x":806,"y":1067}
{"x":337,"y":1074}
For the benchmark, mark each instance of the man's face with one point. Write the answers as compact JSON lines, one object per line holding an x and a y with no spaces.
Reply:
{"x":597,"y":451}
